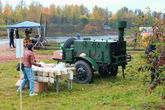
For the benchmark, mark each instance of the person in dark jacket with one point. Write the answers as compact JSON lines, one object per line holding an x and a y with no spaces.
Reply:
{"x":11,"y":36}
{"x":27,"y":33}
{"x":28,"y":61}
{"x":150,"y":49}
{"x":17,"y":33}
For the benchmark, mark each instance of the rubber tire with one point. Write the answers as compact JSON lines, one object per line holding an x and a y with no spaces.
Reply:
{"x":67,"y":44}
{"x":114,"y":71}
{"x":82,"y":64}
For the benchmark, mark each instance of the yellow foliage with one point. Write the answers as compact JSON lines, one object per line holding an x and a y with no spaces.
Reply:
{"x":145,"y":40}
{"x":113,"y":16}
{"x":7,"y":10}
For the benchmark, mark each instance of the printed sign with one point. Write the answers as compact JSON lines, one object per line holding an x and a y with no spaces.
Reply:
{"x":19,"y":48}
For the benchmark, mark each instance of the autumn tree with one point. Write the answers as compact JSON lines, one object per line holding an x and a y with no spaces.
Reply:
{"x":112,"y":21}
{"x":98,"y":18}
{"x":58,"y":14}
{"x":21,"y":13}
{"x":84,"y":20}
{"x":154,"y":56}
{"x":1,"y":14}
{"x":34,"y":12}
{"x":68,"y":15}
{"x":52,"y":17}
{"x":126,"y":15}
{"x":8,"y":14}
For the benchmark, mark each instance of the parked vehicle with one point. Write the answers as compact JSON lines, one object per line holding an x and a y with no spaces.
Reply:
{"x":103,"y":56}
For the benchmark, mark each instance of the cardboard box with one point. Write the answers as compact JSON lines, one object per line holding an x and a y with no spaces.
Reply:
{"x":57,"y":54}
{"x":40,"y":86}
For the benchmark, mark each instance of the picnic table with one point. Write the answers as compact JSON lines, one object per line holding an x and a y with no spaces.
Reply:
{"x":51,"y":73}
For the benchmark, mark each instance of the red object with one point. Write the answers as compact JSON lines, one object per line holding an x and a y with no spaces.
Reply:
{"x":113,"y":33}
{"x":163,"y":98}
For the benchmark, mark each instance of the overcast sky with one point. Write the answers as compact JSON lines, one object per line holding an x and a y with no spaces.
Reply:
{"x":112,"y":5}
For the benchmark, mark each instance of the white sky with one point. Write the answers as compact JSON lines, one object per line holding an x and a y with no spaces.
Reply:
{"x":112,"y":5}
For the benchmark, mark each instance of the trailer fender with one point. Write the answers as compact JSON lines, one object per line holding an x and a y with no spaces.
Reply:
{"x":91,"y":61}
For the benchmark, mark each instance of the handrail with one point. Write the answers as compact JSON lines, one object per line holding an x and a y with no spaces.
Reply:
{"x":128,"y":58}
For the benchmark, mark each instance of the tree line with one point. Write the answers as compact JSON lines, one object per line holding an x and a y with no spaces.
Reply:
{"x":70,"y":15}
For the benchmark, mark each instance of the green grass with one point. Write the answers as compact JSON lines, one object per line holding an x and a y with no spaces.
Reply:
{"x":3,"y":37}
{"x":112,"y":93}
{"x":49,"y":49}
{"x":4,"y":26}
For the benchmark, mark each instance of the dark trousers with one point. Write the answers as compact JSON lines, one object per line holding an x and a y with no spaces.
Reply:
{"x":12,"y":43}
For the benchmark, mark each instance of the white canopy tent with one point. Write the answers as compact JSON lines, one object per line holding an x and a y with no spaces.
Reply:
{"x":28,"y":24}
{"x":25,"y":24}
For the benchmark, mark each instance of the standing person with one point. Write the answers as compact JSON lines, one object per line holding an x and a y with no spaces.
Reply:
{"x":28,"y":61}
{"x":150,"y":49}
{"x":17,"y":33}
{"x":11,"y":36}
{"x":78,"y":37}
{"x":27,"y":34}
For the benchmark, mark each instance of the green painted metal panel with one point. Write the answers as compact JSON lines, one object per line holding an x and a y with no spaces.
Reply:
{"x":95,"y":49}
{"x":102,"y":51}
{"x":69,"y":54}
{"x":121,"y":24}
{"x":92,"y":62}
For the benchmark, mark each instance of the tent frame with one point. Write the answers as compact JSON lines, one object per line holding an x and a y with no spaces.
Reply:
{"x":26,"y":25}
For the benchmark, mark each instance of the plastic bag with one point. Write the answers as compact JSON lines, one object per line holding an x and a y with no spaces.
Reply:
{"x":18,"y":66}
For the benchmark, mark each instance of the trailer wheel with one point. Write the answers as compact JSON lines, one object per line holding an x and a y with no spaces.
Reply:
{"x":84,"y":72}
{"x":114,"y":71}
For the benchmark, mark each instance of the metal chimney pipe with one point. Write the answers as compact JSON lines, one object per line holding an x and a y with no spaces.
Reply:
{"x":121,"y":25}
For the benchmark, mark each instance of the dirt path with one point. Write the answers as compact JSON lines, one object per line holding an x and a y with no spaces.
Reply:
{"x":7,"y":54}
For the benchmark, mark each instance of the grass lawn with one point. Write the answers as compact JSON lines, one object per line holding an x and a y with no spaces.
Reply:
{"x":112,"y":93}
{"x":4,"y":26}
{"x":50,"y":48}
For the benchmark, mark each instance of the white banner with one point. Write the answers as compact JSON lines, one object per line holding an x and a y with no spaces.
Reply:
{"x":19,"y":48}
